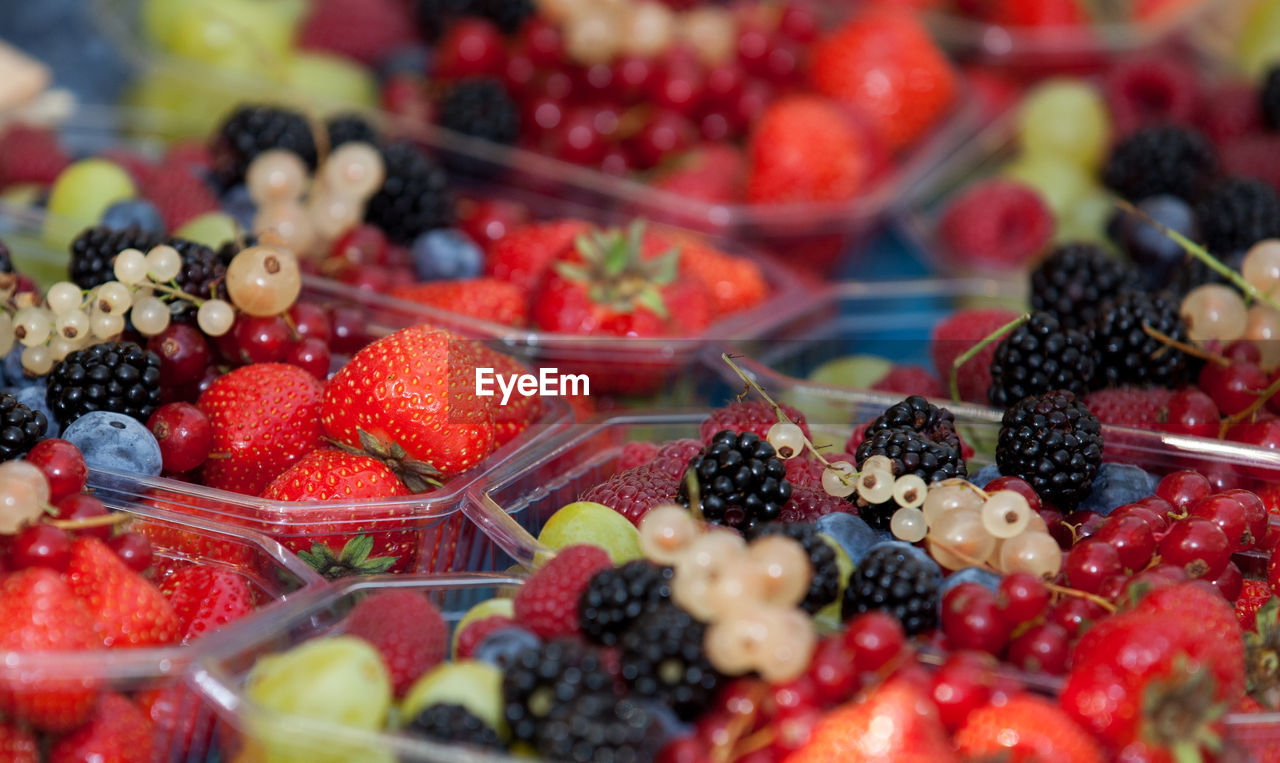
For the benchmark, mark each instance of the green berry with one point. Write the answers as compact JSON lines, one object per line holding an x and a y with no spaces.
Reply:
{"x":475,"y":685}
{"x":81,"y":194}
{"x":1066,"y":119}
{"x":594,"y":524}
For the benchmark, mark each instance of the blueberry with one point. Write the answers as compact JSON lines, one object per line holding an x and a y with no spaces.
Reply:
{"x":919,"y":553}
{"x":985,"y":578}
{"x":33,"y":397}
{"x":236,"y":202}
{"x":501,"y":646}
{"x":137,"y":212}
{"x":1116,"y":485}
{"x":853,"y":534}
{"x":445,"y":253}
{"x":13,"y":373}
{"x":115,"y":442}
{"x":985,"y":475}
{"x":1155,"y":254}
{"x":407,"y":59}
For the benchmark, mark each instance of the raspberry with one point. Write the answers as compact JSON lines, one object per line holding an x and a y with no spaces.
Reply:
{"x":361,"y":29}
{"x":1229,"y":112}
{"x":753,"y":416}
{"x":634,"y":491}
{"x":910,"y":380}
{"x":30,"y":155}
{"x":637,"y":454}
{"x":406,"y":629}
{"x":178,"y":195}
{"x":674,"y":457}
{"x":955,"y":335}
{"x":476,"y":632}
{"x":807,"y":504}
{"x":804,"y":470}
{"x":1000,"y":223}
{"x":1129,"y":406}
{"x":855,"y":439}
{"x":1253,"y":156}
{"x":547,"y":603}
{"x":1151,"y":89}
{"x":139,"y":167}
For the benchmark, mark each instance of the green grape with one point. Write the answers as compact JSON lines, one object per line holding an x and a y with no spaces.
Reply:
{"x":1258,"y":48}
{"x":1067,"y":119}
{"x":81,"y":194}
{"x":212,"y":229}
{"x":339,"y":681}
{"x":1087,"y":218}
{"x":856,"y":371}
{"x":207,"y":30}
{"x":331,"y":81}
{"x":210,"y":37}
{"x":158,"y":18}
{"x":595,"y":524}
{"x":1059,"y":182}
{"x":487,"y":608}
{"x":475,"y":685}
{"x":198,"y":106}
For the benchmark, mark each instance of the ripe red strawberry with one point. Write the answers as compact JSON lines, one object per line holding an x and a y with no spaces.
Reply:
{"x":127,"y":609}
{"x":407,"y":631}
{"x":361,"y":29}
{"x":521,"y":410}
{"x":734,"y":283}
{"x":884,"y":64}
{"x":805,"y":148}
{"x":118,"y":732}
{"x":30,"y":155}
{"x":39,"y":613}
{"x":17,"y":745}
{"x":175,"y":542}
{"x":895,"y":722}
{"x":264,"y":418}
{"x":476,"y":632}
{"x":524,"y":254}
{"x":547,"y":603}
{"x":711,"y":172}
{"x":1220,"y":640}
{"x":1253,"y":595}
{"x":207,"y":598}
{"x":415,"y":389}
{"x":1025,"y":729}
{"x":486,"y":298}
{"x":1036,"y":13}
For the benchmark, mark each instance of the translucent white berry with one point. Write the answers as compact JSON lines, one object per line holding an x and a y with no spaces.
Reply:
{"x":37,"y":360}
{"x":333,"y":214}
{"x":276,"y":175}
{"x":6,"y":333}
{"x":1261,"y":266}
{"x":150,"y":316}
{"x":130,"y":266}
{"x":1214,"y":311}
{"x":73,"y":326}
{"x":944,"y":499}
{"x":60,"y":347}
{"x":878,"y":464}
{"x":32,"y":325}
{"x":908,"y":524}
{"x":838,"y":479}
{"x":354,"y":170}
{"x":163,"y":263}
{"x":958,"y":540}
{"x":1034,"y":552}
{"x":113,"y":298}
{"x":263,"y":280}
{"x":875,"y":487}
{"x":786,"y":568}
{"x":666,"y":531}
{"x":787,"y":439}
{"x":106,"y":325}
{"x":63,"y":297}
{"x":1006,"y":514}
{"x":910,"y":491}
{"x":215,"y":317}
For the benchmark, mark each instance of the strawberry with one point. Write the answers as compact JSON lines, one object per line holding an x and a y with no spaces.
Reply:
{"x":332,"y":543}
{"x":176,"y":543}
{"x":407,"y":630}
{"x":118,"y":732}
{"x":523,"y":256}
{"x":486,"y":298}
{"x":17,"y":745}
{"x":179,"y":717}
{"x":40,"y":613}
{"x":805,"y":148}
{"x":1262,"y":655}
{"x":412,"y":392}
{"x":206,"y":598}
{"x":1036,"y":13}
{"x":734,"y":283}
{"x":521,"y":410}
{"x":884,"y":64}
{"x":1253,"y":595}
{"x":127,"y":610}
{"x":1202,"y":609}
{"x":895,"y":723}
{"x":264,"y":418}
{"x":712,"y":172}
{"x":1025,"y":729}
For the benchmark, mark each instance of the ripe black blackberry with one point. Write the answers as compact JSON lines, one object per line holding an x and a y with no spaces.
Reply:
{"x":916,"y":412}
{"x":414,"y":197}
{"x":617,"y":596}
{"x":911,"y":453}
{"x":203,"y":274}
{"x":112,"y":376}
{"x":1161,"y":159}
{"x":231,"y":248}
{"x":1074,"y":281}
{"x":553,"y":673}
{"x":454,"y":724}
{"x":20,"y":427}
{"x":1038,"y":356}
{"x":507,"y":14}
{"x":1127,"y":354}
{"x":1054,"y":442}
{"x":740,"y":481}
{"x":897,"y":579}
{"x":663,"y":659}
{"x":94,"y":251}
{"x":1236,"y":213}
{"x":825,"y":585}
{"x":1269,"y":99}
{"x":435,"y":16}
{"x":481,"y":108}
{"x":6,"y":260}
{"x":350,"y":128}
{"x":600,"y":728}
{"x":251,"y":130}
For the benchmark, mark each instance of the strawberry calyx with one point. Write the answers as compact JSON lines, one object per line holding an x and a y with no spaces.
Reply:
{"x":1180,"y":712}
{"x":418,"y":476}
{"x":1262,"y":655}
{"x":352,"y":560}
{"x":615,"y":272}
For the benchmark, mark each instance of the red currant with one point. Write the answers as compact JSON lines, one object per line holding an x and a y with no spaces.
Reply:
{"x":62,"y":465}
{"x":367,"y":278}
{"x":1183,"y":488}
{"x":666,"y":133}
{"x":799,"y":21}
{"x":1192,"y":412}
{"x":1198,"y":546}
{"x":1229,"y":582}
{"x":487,"y":220}
{"x":832,"y":671}
{"x":874,"y":639}
{"x":184,"y":353}
{"x":472,"y":47}
{"x":1090,"y":563}
{"x":577,"y":138}
{"x":84,"y":506}
{"x":133,"y":549}
{"x":724,"y":85}
{"x":184,"y":434}
{"x":1234,"y":387}
{"x":348,"y":330}
{"x":310,"y":322}
{"x":1131,"y":537}
{"x":311,"y":355}
{"x":40,"y":546}
{"x":1072,"y":613}
{"x":1227,"y":513}
{"x":971,"y":619}
{"x":1022,"y":598}
{"x":1043,"y":648}
{"x":688,"y":749}
{"x":1243,"y":350}
{"x":962,"y":685}
{"x":362,"y":245}
{"x":542,"y":42}
{"x":405,"y":96}
{"x":261,"y":339}
{"x":1255,"y":513}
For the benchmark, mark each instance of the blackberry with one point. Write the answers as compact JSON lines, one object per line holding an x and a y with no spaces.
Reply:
{"x":350,"y":128}
{"x":551,"y":674}
{"x":1159,"y":160}
{"x":916,"y":412}
{"x":507,"y":14}
{"x":825,"y":585}
{"x":615,"y":597}
{"x":1236,"y":213}
{"x":740,"y":481}
{"x":1269,"y":99}
{"x":1127,"y":354}
{"x":94,"y":251}
{"x":481,"y":108}
{"x":6,"y":260}
{"x":600,"y":728}
{"x":454,"y":724}
{"x":1054,"y":442}
{"x":251,"y":130}
{"x":1074,"y":281}
{"x":414,"y":197}
{"x":911,"y":453}
{"x":20,"y":427}
{"x":230,"y":249}
{"x":663,"y":660}
{"x":112,"y":376}
{"x":435,"y":16}
{"x":203,"y":274}
{"x":897,"y":579}
{"x":1038,"y":356}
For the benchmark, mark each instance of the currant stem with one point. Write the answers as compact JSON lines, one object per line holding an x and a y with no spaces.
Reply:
{"x":104,"y":520}
{"x":174,"y":291}
{"x":1189,"y":349}
{"x":1064,"y":590}
{"x":969,"y":354}
{"x":1253,"y":408}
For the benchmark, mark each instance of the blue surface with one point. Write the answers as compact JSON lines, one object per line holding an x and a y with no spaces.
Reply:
{"x":888,"y":258}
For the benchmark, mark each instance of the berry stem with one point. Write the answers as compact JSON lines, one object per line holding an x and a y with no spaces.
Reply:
{"x":1249,"y":412}
{"x":969,"y":354}
{"x":174,"y":291}
{"x":1202,"y":254}
{"x":1188,"y":349}
{"x":104,"y":520}
{"x":1064,"y":590}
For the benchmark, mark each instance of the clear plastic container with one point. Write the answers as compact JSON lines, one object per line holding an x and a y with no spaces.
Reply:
{"x":274,"y":575}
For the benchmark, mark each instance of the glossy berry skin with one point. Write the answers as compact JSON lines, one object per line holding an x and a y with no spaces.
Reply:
{"x":1044,"y":648}
{"x":261,"y":340}
{"x":1182,"y":488}
{"x":62,"y":465}
{"x":83,"y":506}
{"x":1192,"y":412}
{"x":831,"y":671}
{"x":971,"y":619}
{"x":349,"y":333}
{"x":1086,"y":523}
{"x":1017,"y":485}
{"x":1229,"y":582}
{"x":1090,"y":563}
{"x":1157,"y":522}
{"x":874,"y":638}
{"x":362,"y":245}
{"x":40,"y":545}
{"x":184,"y":354}
{"x":310,"y":321}
{"x":1229,"y":515}
{"x":133,"y":549}
{"x":1132,"y":538}
{"x":961,"y":685}
{"x":1022,"y":598}
{"x":184,"y":435}
{"x":1198,"y":546}
{"x":1233,"y":388}
{"x":471,"y":48}
{"x":1072,"y":613}
{"x":1255,"y":512}
{"x":311,"y":355}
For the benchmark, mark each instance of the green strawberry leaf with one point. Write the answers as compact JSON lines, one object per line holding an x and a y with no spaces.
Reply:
{"x":652,"y":299}
{"x":573,"y":272}
{"x":1262,"y":655}
{"x":354,"y":559}
{"x":356,"y":551}
{"x":664,"y":268}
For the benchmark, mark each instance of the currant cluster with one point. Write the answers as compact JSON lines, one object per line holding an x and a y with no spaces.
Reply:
{"x":1216,"y":312}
